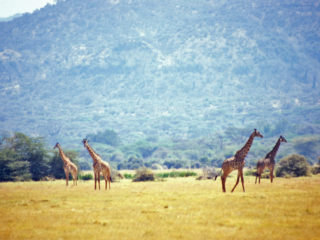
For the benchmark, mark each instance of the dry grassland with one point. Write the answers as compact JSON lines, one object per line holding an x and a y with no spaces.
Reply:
{"x":180,"y":208}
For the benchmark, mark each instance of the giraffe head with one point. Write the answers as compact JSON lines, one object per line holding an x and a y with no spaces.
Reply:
{"x":256,"y":133}
{"x":282,"y":139}
{"x":56,"y":146}
{"x":85,"y":142}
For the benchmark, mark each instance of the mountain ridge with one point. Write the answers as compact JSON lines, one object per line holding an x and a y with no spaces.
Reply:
{"x":172,"y":69}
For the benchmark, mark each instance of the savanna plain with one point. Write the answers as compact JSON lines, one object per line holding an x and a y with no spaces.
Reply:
{"x":177,"y":208}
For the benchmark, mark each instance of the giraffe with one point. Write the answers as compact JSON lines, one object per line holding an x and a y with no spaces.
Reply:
{"x":269,"y":160}
{"x":237,"y":162}
{"x":68,"y":166}
{"x":98,"y":166}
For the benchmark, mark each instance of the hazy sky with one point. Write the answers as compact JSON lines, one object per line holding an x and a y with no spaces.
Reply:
{"x":11,"y":7}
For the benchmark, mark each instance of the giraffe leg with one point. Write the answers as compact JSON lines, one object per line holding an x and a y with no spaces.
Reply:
{"x":224,"y":179}
{"x":76,"y":178}
{"x":106,"y":181}
{"x":242,"y":181}
{"x":236,"y":182}
{"x":95,"y":181}
{"x":271,"y":175}
{"x":109,"y":178}
{"x":99,"y":179}
{"x":223,"y":182}
{"x":259,"y":178}
{"x":67,"y":176}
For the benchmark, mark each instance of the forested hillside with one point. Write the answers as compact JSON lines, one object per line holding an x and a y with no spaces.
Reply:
{"x":165,"y":73}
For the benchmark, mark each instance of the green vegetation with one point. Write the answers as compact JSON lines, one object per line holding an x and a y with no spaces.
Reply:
{"x":56,"y":164}
{"x":108,"y":137}
{"x":315,"y":169}
{"x":171,"y":81}
{"x":24,"y":158}
{"x":144,"y":174}
{"x":85,"y":177}
{"x":293,"y":165}
{"x":174,"y":174}
{"x":128,"y":176}
{"x":307,"y":146}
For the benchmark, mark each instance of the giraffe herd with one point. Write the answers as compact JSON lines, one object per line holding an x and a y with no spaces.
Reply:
{"x":236,"y":162}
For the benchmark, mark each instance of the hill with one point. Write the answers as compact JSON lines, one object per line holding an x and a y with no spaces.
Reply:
{"x":168,"y":69}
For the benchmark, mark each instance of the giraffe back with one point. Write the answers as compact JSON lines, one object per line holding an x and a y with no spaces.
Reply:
{"x":232,"y":164}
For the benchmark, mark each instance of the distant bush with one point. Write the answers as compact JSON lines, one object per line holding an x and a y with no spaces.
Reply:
{"x":315,"y":169}
{"x":176,"y":174}
{"x":128,"y":176}
{"x":85,"y":177}
{"x":115,"y":176}
{"x":253,"y":172}
{"x":144,"y":174}
{"x":174,"y":164}
{"x":132,"y":163}
{"x":250,"y":172}
{"x":294,"y":165}
{"x":109,"y":137}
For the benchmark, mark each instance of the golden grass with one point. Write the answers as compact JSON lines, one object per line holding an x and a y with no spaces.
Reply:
{"x":179,"y":208}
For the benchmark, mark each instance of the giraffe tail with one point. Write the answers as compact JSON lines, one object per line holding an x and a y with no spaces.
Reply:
{"x":215,"y":178}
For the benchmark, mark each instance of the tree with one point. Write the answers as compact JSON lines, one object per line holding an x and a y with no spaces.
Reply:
{"x":307,"y":146}
{"x":109,"y":137}
{"x":38,"y":159}
{"x":11,"y":169}
{"x":56,"y":163}
{"x":23,"y":158}
{"x":294,"y":165}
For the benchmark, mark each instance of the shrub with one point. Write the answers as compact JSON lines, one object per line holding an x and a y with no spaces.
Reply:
{"x":187,"y":174}
{"x":144,"y":174}
{"x":294,"y":165}
{"x":253,"y":172}
{"x":85,"y":177}
{"x":315,"y":169}
{"x":174,"y":174}
{"x":128,"y":176}
{"x":115,"y":176}
{"x":250,"y":172}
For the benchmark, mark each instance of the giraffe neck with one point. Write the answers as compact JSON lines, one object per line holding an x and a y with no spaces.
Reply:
{"x":62,"y":155}
{"x":92,"y":153}
{"x":274,"y":151}
{"x":242,"y":153}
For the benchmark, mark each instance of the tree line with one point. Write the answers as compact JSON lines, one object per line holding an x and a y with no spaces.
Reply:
{"x":24,"y":158}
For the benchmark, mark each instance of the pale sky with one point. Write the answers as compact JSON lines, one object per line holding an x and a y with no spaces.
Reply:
{"x":12,"y":7}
